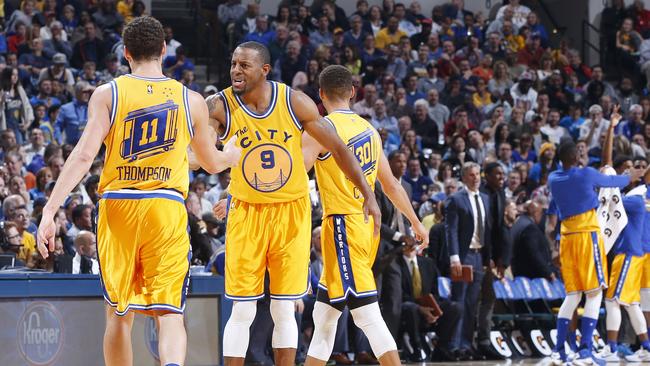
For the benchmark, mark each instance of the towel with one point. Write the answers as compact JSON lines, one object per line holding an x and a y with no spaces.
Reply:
{"x":611,"y":213}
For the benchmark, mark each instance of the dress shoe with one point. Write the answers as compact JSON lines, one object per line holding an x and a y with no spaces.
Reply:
{"x":442,"y":354}
{"x":489,"y":353}
{"x":475,"y":355}
{"x":461,"y":355}
{"x":341,"y":359}
{"x":366,"y":358}
{"x":418,"y":355}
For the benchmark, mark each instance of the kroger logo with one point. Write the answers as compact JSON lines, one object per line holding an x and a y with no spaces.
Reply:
{"x":151,"y":336}
{"x":40,"y":333}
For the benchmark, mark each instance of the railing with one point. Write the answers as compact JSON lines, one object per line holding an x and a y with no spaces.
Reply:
{"x":587,"y":28}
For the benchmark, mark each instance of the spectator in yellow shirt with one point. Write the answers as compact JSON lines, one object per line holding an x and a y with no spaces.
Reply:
{"x":21,"y":218}
{"x":125,"y":8}
{"x":389,"y":35}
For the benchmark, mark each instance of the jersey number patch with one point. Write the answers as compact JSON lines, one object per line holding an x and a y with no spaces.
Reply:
{"x":149,"y":131}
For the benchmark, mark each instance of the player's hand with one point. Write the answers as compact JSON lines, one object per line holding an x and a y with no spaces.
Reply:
{"x":421,"y":234}
{"x":232,"y":151}
{"x":45,"y":236}
{"x":220,"y":208}
{"x":370,"y":208}
{"x":615,"y":118}
{"x":456,"y":269}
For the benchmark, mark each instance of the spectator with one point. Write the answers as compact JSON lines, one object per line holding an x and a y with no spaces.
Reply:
{"x":90,"y":48}
{"x":424,"y":126}
{"x":112,"y":69}
{"x":91,"y":187}
{"x":628,"y":42}
{"x":545,"y":165}
{"x":13,"y":244}
{"x":634,"y":124}
{"x":420,"y":278}
{"x":532,"y":53}
{"x":230,"y":11}
{"x":391,"y":34}
{"x":531,"y":255}
{"x":16,"y":111}
{"x":396,"y":65}
{"x":262,"y":34}
{"x":522,"y":93}
{"x":322,"y":34}
{"x":290,"y":63}
{"x":417,"y":180}
{"x":73,"y":116}
{"x":520,"y":12}
{"x":381,"y":120}
{"x":36,"y":145}
{"x":501,"y":83}
{"x":365,"y":106}
{"x":85,"y":258}
{"x":24,"y":15}
{"x":247,"y":23}
{"x":57,"y":71}
{"x":107,"y":17}
{"x":552,"y":128}
{"x":20,"y":217}
{"x":214,"y":194}
{"x":174,"y":66}
{"x":412,"y":93}
{"x":626,"y":95}
{"x":81,"y":219}
{"x":170,"y":42}
{"x":278,"y":45}
{"x":44,"y":96}
{"x":438,"y":112}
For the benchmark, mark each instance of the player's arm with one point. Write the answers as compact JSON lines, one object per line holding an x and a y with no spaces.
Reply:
{"x":398,"y":196}
{"x":609,"y":137}
{"x":78,"y":163}
{"x":307,"y":113}
{"x":205,"y":138}
{"x":311,"y":149}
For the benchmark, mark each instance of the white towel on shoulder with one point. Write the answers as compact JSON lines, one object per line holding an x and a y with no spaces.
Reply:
{"x":611,"y":213}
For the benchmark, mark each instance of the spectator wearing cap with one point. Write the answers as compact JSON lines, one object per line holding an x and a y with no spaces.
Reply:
{"x":81,"y":220}
{"x":391,"y":34}
{"x":522,"y":93}
{"x":263,"y":33}
{"x":58,"y":71}
{"x":44,"y":95}
{"x":634,"y":124}
{"x":322,"y":34}
{"x":532,"y":53}
{"x":89,"y":48}
{"x":546,"y":164}
{"x":73,"y":116}
{"x":175,"y":65}
{"x":355,"y":35}
{"x":338,"y":45}
{"x":422,"y":37}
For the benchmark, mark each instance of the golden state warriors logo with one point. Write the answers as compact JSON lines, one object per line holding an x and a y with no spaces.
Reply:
{"x":149,"y":131}
{"x":267,"y":167}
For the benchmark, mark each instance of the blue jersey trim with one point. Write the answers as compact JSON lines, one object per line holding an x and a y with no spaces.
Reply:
{"x":139,"y":196}
{"x":293,"y":115}
{"x":188,"y":113}
{"x":113,"y":100}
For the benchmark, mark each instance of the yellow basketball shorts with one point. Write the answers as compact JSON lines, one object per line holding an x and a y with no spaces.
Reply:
{"x":625,"y":279}
{"x":349,"y":249}
{"x":144,"y":250}
{"x":274,"y":237}
{"x":583,"y":262}
{"x":645,"y":273}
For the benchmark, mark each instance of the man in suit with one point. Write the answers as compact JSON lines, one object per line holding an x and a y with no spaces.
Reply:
{"x":420,"y":277}
{"x":494,"y":189}
{"x":468,"y":238}
{"x":394,"y":233}
{"x":531,"y":254}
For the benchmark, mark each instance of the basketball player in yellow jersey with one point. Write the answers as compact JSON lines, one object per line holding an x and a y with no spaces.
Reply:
{"x":146,"y":121}
{"x":348,"y":245}
{"x":269,"y":218}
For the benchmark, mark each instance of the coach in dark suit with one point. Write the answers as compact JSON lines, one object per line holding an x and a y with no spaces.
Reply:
{"x":468,"y":239}
{"x":417,"y":319}
{"x":531,"y":253}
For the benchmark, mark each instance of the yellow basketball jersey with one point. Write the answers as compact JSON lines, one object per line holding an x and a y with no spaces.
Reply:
{"x":338,"y":194}
{"x":151,"y":128}
{"x":271,"y":167}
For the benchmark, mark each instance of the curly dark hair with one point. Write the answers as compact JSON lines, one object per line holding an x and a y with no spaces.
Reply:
{"x":144,"y":38}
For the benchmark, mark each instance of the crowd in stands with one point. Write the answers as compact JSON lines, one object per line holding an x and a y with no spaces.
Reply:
{"x":444,"y":90}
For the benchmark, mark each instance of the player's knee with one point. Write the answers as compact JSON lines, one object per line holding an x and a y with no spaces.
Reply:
{"x":283,"y":311}
{"x":367,"y":315}
{"x":243,"y":312}
{"x":325,"y":316}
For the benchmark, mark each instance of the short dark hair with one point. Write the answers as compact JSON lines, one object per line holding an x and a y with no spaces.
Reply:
{"x":567,"y":151}
{"x":393,"y":154}
{"x":336,"y":81}
{"x":620,"y":160}
{"x":261,"y":49}
{"x":491,"y":167}
{"x":78,"y":211}
{"x":144,"y":38}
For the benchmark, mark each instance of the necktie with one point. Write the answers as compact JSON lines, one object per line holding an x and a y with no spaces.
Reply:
{"x":480,"y":218}
{"x":417,"y":280}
